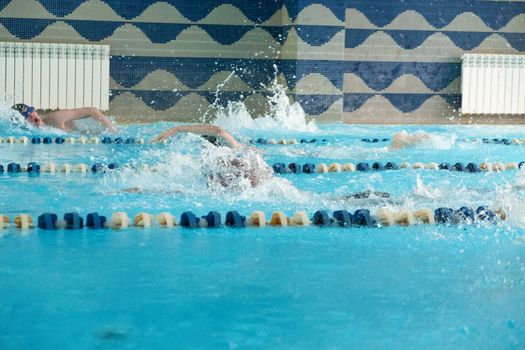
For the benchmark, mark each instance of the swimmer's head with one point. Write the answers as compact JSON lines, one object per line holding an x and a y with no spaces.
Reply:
{"x":29,"y":113}
{"x":212,"y":139}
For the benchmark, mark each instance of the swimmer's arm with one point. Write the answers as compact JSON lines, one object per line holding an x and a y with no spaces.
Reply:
{"x":200,"y":129}
{"x":69,"y":115}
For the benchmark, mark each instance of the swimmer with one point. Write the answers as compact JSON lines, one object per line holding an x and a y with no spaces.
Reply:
{"x":208,"y":130}
{"x":63,"y":119}
{"x":232,"y":170}
{"x":403,"y":139}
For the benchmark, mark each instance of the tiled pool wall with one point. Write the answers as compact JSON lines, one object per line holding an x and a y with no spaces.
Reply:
{"x":353,"y":60}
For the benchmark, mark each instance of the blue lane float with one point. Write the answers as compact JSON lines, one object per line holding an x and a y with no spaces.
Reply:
{"x":33,"y":168}
{"x":473,"y":168}
{"x":362,"y":217}
{"x":362,"y":166}
{"x":95,"y":221}
{"x":321,"y":218}
{"x":308,"y":168}
{"x":294,"y":168}
{"x":97,"y":168}
{"x":444,"y":215}
{"x":13,"y":168}
{"x":458,"y":167}
{"x":279,"y":168}
{"x":377,"y":166}
{"x":234,"y":219}
{"x":213,"y":219}
{"x":189,"y":220}
{"x":47,"y":221}
{"x":262,"y":141}
{"x":343,"y":218}
{"x":375,"y":140}
{"x":73,"y":221}
{"x":484,"y":213}
{"x":391,"y":166}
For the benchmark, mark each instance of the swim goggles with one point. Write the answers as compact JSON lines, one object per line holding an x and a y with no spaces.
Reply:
{"x":28,"y":111}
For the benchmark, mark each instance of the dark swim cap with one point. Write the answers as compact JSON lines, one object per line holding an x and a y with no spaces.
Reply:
{"x":19,"y":107}
{"x":212,"y":139}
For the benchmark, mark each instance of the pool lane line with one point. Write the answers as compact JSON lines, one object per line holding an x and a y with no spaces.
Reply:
{"x":279,"y":168}
{"x":34,"y":168}
{"x":311,"y":168}
{"x":322,"y":218}
{"x":35,"y":140}
{"x":273,"y":141}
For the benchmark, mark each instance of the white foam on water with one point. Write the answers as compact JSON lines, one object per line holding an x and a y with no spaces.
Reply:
{"x":509,"y":196}
{"x":426,"y":191}
{"x":11,"y":121}
{"x":282,"y":116}
{"x":191,"y":166}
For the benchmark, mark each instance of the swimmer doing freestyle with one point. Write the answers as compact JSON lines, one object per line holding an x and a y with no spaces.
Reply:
{"x":403,"y":139}
{"x":246,"y":164}
{"x":62,"y":119}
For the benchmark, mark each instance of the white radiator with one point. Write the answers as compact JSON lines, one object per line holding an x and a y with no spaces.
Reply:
{"x":493,"y":84}
{"x":55,"y":76}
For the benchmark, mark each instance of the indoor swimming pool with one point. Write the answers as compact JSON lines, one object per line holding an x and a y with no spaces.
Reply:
{"x":453,"y":285}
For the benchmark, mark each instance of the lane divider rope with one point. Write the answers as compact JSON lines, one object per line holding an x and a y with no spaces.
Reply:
{"x":279,"y":168}
{"x":53,"y":168}
{"x":310,"y":168}
{"x":259,"y":141}
{"x":272,"y":141}
{"x":71,"y":140}
{"x":339,"y":218}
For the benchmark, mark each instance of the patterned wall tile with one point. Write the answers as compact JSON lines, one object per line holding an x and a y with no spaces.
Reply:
{"x":356,"y":58}
{"x":402,"y":57}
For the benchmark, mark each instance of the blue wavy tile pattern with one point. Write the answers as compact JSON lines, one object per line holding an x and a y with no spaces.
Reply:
{"x":439,"y":13}
{"x":162,"y":100}
{"x":257,"y":11}
{"x":377,"y":74}
{"x":129,"y":71}
{"x":161,"y":33}
{"x":405,"y":103}
{"x":380,"y":75}
{"x":411,"y":39}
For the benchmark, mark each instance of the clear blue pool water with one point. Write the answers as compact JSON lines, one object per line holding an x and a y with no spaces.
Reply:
{"x":430,"y":287}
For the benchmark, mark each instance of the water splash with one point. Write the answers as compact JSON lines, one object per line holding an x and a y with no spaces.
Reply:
{"x":509,"y":196}
{"x":281,"y":115}
{"x":425,"y":191}
{"x":207,"y":117}
{"x":12,"y":122}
